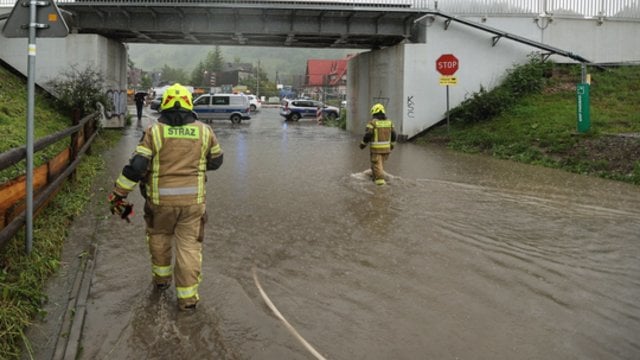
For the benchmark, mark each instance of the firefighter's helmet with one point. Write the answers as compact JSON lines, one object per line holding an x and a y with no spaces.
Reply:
{"x":377,"y":108}
{"x":178,"y":97}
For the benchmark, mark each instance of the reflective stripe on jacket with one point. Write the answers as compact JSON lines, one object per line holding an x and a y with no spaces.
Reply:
{"x":381,"y":140}
{"x":178,"y":164}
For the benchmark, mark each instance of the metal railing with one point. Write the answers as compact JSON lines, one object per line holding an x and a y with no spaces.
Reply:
{"x":400,"y":4}
{"x":562,"y":8}
{"x":629,"y":9}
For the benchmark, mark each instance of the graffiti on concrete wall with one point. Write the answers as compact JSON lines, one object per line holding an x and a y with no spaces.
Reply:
{"x":410,"y":107}
{"x":118,"y":100}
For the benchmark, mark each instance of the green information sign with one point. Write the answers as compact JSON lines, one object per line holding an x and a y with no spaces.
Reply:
{"x":584,"y":117}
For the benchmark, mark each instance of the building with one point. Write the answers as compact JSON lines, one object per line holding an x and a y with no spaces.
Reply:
{"x":233,"y":73}
{"x":326,"y":78}
{"x":134,"y":77}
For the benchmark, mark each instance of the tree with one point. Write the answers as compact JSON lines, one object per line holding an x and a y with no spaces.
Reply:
{"x":212,"y":63}
{"x":215,"y":60}
{"x":197,"y":75}
{"x":267,"y":88}
{"x":146,"y":81}
{"x":173,"y":75}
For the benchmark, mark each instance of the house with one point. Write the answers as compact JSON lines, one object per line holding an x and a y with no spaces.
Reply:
{"x":233,"y":73}
{"x":326,"y":78}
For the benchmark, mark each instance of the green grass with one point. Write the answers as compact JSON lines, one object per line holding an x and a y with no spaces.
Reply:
{"x":541,"y":126}
{"x":23,"y":277}
{"x":13,"y":122}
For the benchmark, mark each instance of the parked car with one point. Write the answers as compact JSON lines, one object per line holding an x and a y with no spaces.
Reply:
{"x":155,"y":103}
{"x":234,"y":107}
{"x":300,"y":108}
{"x":254,"y":103}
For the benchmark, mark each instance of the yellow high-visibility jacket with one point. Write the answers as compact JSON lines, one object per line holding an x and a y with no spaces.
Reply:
{"x":380,"y":135}
{"x":171,"y":161}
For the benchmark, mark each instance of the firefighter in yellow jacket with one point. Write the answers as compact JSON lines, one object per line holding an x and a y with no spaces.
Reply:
{"x":170,"y":164}
{"x":381,"y":137}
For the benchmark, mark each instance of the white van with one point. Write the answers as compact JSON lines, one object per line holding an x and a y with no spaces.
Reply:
{"x":234,"y":107}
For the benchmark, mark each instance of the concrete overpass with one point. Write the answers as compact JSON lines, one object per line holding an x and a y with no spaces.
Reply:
{"x":248,"y":22}
{"x":404,"y":36}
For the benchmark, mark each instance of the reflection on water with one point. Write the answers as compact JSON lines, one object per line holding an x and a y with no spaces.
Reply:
{"x":459,"y":256}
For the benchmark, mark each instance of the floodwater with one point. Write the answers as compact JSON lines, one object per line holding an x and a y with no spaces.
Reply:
{"x":459,"y":257}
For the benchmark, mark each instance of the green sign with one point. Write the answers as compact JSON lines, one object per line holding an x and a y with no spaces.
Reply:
{"x":584,"y":117}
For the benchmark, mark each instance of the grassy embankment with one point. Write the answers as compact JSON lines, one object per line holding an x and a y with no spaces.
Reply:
{"x":531,"y":118}
{"x":23,"y":277}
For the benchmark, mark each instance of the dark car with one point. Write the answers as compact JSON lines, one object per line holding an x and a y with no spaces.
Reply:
{"x":155,"y":103}
{"x":301,"y":108}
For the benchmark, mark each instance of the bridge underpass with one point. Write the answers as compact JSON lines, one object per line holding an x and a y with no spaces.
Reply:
{"x":549,"y":313}
{"x":399,"y":70}
{"x":246,"y":23}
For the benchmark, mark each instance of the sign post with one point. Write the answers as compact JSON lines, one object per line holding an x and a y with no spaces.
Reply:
{"x":447,"y":65}
{"x":23,"y":21}
{"x":582,"y":93}
{"x":584,"y":116}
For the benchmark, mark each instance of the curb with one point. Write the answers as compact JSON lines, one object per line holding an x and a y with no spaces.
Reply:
{"x":68,"y":338}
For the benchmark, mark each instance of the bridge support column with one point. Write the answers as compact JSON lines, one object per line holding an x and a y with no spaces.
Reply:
{"x":398,"y":78}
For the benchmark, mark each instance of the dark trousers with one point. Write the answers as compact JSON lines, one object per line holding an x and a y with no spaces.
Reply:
{"x":139,"y":110}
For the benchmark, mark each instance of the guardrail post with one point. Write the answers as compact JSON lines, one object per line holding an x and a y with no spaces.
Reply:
{"x":73,"y":146}
{"x":89,"y":130}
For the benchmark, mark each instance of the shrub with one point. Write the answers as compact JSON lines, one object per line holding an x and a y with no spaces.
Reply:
{"x":520,"y":80}
{"x":80,"y":90}
{"x":340,"y":122}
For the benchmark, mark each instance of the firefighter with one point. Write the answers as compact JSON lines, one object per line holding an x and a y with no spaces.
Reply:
{"x":381,"y":137}
{"x":170,"y":163}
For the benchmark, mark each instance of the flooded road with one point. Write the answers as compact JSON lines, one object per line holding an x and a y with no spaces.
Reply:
{"x":459,"y":257}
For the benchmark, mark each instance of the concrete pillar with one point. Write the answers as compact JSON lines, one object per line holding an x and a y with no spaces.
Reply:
{"x":55,"y":56}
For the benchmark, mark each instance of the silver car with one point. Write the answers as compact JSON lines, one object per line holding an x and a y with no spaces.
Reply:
{"x":234,"y":107}
{"x":294,"y":110}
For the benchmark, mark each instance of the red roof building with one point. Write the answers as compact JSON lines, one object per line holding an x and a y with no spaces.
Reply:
{"x":327,"y":75}
{"x":326,"y":72}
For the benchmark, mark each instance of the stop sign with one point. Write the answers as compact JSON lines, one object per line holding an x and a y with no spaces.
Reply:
{"x":447,"y":64}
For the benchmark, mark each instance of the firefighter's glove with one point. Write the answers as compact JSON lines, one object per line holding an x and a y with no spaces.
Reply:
{"x":119,"y":206}
{"x":391,"y":146}
{"x":362,"y":145}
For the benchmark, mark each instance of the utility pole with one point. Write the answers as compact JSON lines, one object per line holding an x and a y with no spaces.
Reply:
{"x":258,"y":80}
